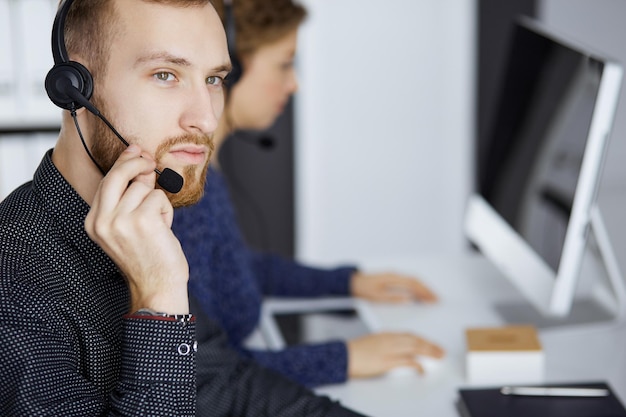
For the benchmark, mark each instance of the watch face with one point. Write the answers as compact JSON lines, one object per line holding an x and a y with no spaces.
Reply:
{"x":147,"y":312}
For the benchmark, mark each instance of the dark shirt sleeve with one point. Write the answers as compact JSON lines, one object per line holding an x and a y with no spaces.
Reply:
{"x":280,"y":276}
{"x":42,"y":373}
{"x":310,"y":365}
{"x":158,"y":368}
{"x":229,"y":384}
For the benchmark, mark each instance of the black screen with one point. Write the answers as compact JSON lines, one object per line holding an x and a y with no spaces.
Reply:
{"x":537,"y":138}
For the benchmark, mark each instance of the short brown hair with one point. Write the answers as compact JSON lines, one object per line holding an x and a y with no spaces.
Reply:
{"x":91,"y":26}
{"x":262,"y":22}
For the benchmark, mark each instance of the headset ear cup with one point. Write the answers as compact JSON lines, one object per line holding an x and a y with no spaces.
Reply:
{"x":66,"y":74}
{"x":235,"y":73}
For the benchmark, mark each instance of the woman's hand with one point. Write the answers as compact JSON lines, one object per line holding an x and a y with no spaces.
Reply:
{"x":389,"y":287}
{"x":376,"y":354}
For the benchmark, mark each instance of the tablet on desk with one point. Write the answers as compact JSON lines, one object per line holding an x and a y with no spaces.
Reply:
{"x":291,"y":322}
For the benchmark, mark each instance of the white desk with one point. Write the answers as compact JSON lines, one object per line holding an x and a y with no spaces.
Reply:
{"x":468,"y":287}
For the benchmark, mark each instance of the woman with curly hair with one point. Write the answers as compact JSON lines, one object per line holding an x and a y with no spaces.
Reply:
{"x":227,"y":278}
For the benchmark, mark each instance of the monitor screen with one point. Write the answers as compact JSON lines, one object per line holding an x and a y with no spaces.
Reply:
{"x":546,"y":144}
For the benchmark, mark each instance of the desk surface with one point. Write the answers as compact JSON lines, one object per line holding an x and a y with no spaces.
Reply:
{"x":468,"y":287}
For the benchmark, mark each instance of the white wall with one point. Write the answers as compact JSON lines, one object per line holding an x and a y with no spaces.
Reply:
{"x":384,"y":128}
{"x":25,"y":58}
{"x":600,"y":25}
{"x":385,"y":122}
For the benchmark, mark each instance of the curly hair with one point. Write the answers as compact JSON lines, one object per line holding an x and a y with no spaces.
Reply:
{"x":262,"y":22}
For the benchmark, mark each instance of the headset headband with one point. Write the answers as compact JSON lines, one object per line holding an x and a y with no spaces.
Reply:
{"x":68,"y":84}
{"x":59,"y":51}
{"x":231,"y":38}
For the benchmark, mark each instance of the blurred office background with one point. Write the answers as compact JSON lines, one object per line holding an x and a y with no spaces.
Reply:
{"x":378,"y":151}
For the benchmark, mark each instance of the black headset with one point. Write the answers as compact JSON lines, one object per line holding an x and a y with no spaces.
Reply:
{"x":265,"y":142}
{"x":70,"y":86}
{"x":231,"y":38}
{"x":65,"y":73}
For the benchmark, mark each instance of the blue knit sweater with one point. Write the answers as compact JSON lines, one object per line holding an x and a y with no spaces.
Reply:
{"x":230,"y":279}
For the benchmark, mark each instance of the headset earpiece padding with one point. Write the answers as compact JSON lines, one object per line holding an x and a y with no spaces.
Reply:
{"x":66,"y":74}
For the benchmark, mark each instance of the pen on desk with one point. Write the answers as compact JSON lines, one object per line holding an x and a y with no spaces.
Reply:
{"x":555,"y":391}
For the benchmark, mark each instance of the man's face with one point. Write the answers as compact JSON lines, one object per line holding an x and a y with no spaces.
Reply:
{"x":267,"y":82}
{"x":163,"y":89}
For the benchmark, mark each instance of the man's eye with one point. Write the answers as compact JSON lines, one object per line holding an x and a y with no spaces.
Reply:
{"x":217,"y":81}
{"x":164,"y":76}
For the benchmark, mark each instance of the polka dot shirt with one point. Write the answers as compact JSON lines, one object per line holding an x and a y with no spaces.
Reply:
{"x":69,"y":349}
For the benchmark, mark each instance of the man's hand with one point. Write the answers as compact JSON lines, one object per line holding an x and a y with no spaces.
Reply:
{"x":131,"y":221}
{"x":376,"y":354}
{"x":389,"y":287}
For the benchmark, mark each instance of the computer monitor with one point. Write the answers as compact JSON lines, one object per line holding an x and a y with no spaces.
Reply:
{"x":535,"y":203}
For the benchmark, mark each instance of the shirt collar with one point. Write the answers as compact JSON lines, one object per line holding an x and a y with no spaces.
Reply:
{"x":69,"y":210}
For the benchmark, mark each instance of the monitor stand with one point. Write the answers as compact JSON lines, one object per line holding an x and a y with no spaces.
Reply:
{"x":605,"y":301}
{"x":584,"y":311}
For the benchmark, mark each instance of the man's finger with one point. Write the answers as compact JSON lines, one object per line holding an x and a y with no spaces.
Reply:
{"x":113,"y":186}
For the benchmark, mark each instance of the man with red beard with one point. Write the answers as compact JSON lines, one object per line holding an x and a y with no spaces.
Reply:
{"x":94,"y":311}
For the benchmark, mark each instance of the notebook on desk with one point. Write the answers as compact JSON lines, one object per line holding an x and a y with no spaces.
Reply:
{"x":490,"y":402}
